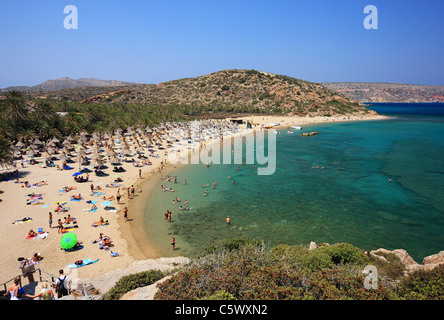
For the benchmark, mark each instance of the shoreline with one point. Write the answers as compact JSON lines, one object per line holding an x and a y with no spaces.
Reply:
{"x":130,"y":238}
{"x":142,"y":247}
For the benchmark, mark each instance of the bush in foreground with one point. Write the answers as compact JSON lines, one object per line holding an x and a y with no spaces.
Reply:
{"x":131,"y":282}
{"x":247,"y":271}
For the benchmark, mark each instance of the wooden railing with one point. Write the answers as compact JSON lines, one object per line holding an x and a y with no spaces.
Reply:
{"x":28,"y":273}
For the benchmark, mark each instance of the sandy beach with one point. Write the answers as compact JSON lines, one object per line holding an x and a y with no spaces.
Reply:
{"x":129,"y":238}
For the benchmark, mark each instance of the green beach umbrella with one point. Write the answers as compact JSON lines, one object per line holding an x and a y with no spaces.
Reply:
{"x":68,"y":241}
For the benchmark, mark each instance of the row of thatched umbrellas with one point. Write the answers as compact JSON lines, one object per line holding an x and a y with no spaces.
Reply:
{"x":140,"y":139}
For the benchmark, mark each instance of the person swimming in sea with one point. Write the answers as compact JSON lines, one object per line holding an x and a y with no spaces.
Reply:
{"x":228,"y":220}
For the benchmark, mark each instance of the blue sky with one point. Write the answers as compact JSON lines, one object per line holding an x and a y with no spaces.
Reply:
{"x":155,"y":41}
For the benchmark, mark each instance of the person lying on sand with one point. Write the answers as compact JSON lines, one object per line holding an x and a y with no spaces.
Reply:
{"x":104,"y":242}
{"x":36,"y":257}
{"x":79,"y":197}
{"x":108,"y":198}
{"x":101,"y":222}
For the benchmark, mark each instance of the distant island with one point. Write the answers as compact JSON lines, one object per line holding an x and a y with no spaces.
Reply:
{"x":387,"y":92}
{"x":66,"y":83}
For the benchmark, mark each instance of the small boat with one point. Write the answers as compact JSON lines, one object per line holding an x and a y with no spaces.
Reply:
{"x":309,"y":133}
{"x":290,"y":132}
{"x":296,"y":127}
{"x":275,"y":132}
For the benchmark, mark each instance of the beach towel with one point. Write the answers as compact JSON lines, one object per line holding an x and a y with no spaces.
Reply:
{"x":39,"y":236}
{"x":76,"y":199}
{"x":45,"y":206}
{"x":67,"y":226}
{"x":95,"y":225}
{"x":82,"y":263}
{"x":74,"y":249}
{"x":24,"y":220}
{"x":63,"y":190}
{"x":35,"y":198}
{"x":35,"y":202}
{"x":90,"y":210}
{"x":97,"y":194}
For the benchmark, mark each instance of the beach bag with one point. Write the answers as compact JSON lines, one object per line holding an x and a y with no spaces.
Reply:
{"x":20,"y":292}
{"x":61,"y":284}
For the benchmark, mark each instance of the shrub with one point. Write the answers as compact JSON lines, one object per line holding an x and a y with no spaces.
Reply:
{"x":345,"y":253}
{"x":394,"y":269}
{"x":229,"y":245}
{"x":131,"y":282}
{"x":220,"y":295}
{"x":423,"y":285}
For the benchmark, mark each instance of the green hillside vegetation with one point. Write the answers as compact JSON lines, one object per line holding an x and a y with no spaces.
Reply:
{"x":247,"y":89}
{"x":244,"y":269}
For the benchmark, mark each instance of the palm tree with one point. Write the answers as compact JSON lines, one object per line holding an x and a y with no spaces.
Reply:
{"x":43,"y":111}
{"x":6,"y":129}
{"x":5,"y":152}
{"x":14,"y":110}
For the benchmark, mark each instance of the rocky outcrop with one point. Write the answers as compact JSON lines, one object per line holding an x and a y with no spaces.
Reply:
{"x":410,"y":264}
{"x":312,"y":246}
{"x":433,"y":261}
{"x":105,"y":282}
{"x":406,"y":259}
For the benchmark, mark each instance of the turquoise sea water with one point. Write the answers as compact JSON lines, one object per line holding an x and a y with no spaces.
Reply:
{"x":373,"y":184}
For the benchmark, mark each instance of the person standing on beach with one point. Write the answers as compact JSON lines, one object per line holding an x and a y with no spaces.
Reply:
{"x":125,"y":214}
{"x":118,"y":197}
{"x":60,"y":226}
{"x":50,"y":220}
{"x":140,"y":173}
{"x":173,"y":243}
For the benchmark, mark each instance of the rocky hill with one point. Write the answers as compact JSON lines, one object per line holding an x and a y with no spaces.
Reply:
{"x":227,"y":91}
{"x":66,"y":83}
{"x":387,"y":92}
{"x":258,"y":90}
